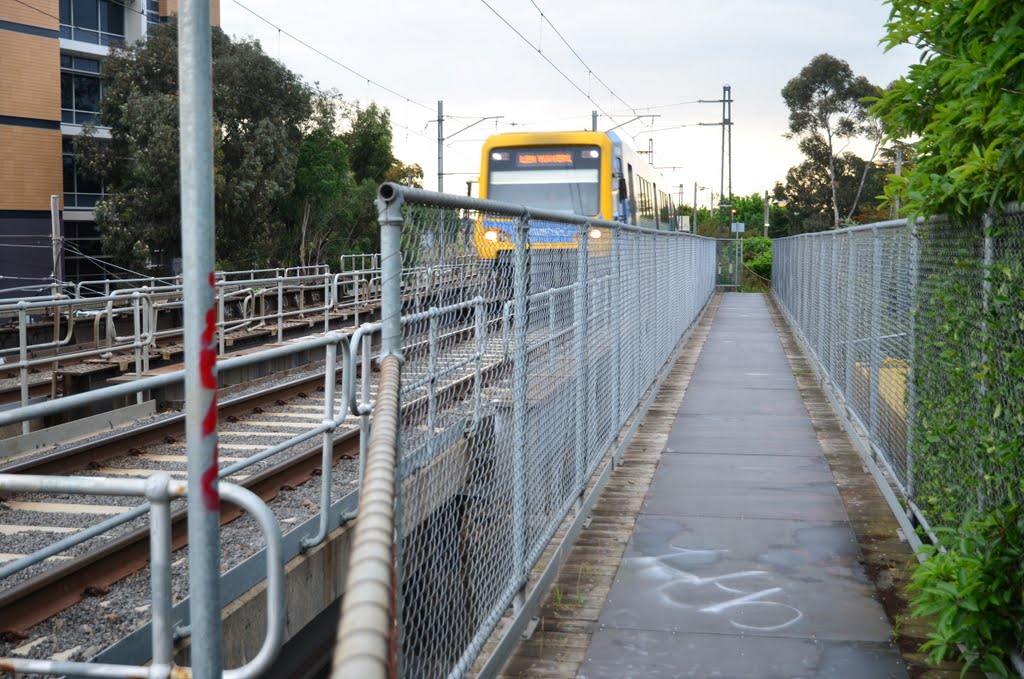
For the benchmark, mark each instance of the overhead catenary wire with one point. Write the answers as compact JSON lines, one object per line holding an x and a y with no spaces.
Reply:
{"x":590,"y":71}
{"x":334,"y":61}
{"x":41,"y":11}
{"x":104,"y":264}
{"x":545,"y":58}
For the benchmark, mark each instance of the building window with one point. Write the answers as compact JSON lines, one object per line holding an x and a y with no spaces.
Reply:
{"x":100,"y":22}
{"x":81,"y":89}
{"x":153,"y":11}
{"x":80,"y":190}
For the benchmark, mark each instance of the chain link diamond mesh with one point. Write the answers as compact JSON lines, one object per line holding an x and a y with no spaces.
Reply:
{"x":919,"y":328}
{"x":519,"y":372}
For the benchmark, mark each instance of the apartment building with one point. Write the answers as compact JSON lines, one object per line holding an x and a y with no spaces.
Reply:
{"x":51,"y":83}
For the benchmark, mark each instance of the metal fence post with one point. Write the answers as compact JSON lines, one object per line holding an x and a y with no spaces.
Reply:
{"x":327,"y":443}
{"x":280,"y":310}
{"x":390,"y":217}
{"x":823,"y":276}
{"x":830,"y":355}
{"x":221,"y":322}
{"x":520,"y":291}
{"x":432,"y":358}
{"x":851,"y":317}
{"x":582,"y":382}
{"x":915,"y":258}
{"x":137,"y":340}
{"x":615,"y":306}
{"x":23,"y":359}
{"x":876,"y":334}
{"x":197,"y":245}
{"x":480,"y":321}
{"x":161,"y":596}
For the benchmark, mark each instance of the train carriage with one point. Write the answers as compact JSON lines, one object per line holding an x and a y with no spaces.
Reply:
{"x":591,"y":174}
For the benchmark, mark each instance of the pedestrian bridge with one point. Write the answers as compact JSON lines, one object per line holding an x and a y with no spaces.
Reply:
{"x":603,"y":458}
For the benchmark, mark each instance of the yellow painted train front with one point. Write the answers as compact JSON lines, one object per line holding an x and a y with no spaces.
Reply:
{"x":568,"y":172}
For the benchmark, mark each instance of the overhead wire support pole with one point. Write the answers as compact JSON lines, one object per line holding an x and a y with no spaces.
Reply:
{"x":197,"y":249}
{"x":441,"y":139}
{"x":440,"y":146}
{"x":726,"y":102}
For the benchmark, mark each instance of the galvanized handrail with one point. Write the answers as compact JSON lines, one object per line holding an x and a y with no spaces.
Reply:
{"x":369,"y":636}
{"x":326,"y":429}
{"x":160,"y":490}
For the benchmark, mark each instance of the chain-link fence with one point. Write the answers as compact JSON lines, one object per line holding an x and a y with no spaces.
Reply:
{"x":919,"y":328}
{"x":528,"y":341}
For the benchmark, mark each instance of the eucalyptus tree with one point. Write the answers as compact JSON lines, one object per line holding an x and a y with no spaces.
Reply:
{"x":827,"y":105}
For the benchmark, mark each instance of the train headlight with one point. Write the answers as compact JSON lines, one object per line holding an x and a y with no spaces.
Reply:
{"x":595,"y":233}
{"x":491,"y":235}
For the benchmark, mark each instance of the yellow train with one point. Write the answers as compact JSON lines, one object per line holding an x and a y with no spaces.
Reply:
{"x":590,"y":174}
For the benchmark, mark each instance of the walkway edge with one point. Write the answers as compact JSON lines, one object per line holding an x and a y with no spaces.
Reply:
{"x":884,"y":534}
{"x":613,"y":500}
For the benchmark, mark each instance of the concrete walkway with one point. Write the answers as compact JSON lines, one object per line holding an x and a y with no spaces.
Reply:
{"x":742,"y":562}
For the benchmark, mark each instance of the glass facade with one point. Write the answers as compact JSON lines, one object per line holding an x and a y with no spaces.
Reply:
{"x":81,"y":89}
{"x":100,"y":22}
{"x":81,"y":191}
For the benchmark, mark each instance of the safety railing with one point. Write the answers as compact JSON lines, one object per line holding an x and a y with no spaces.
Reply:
{"x":339,"y":406}
{"x":128,"y":322}
{"x":915,"y":330}
{"x":335,"y":413}
{"x":518,"y":376}
{"x":159,"y":490}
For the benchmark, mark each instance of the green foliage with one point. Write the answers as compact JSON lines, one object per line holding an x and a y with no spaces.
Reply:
{"x":369,"y":142}
{"x":964,"y":101}
{"x":968,"y":378}
{"x":757,"y":255}
{"x":968,"y":452}
{"x":289,"y":187}
{"x":973,"y":590}
{"x":826,"y":105}
{"x":808,"y":188}
{"x":259,"y":108}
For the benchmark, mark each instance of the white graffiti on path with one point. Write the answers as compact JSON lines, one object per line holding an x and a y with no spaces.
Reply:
{"x":669,"y":577}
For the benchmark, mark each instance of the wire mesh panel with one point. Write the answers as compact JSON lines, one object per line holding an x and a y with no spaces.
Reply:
{"x":527,"y":344}
{"x":919,"y":328}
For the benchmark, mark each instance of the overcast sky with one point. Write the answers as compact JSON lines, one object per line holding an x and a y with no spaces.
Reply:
{"x":654,"y":55}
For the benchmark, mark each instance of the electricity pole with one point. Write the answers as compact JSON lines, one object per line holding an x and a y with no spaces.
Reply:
{"x":726,"y":102}
{"x":441,"y":139}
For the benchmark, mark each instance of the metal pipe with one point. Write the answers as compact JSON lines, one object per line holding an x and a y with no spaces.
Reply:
{"x":580,"y":315}
{"x":258,"y":666}
{"x":327,"y":456}
{"x":26,"y":426}
{"x":521,"y":289}
{"x":363,"y":646}
{"x":198,"y":248}
{"x":393,"y":192}
{"x":161,"y":596}
{"x":480,"y":318}
{"x":389,"y":205}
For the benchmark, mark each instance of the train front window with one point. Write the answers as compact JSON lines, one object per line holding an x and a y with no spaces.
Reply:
{"x":557,"y":179}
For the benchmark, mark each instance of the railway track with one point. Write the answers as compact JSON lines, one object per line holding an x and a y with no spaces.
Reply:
{"x":248,"y":424}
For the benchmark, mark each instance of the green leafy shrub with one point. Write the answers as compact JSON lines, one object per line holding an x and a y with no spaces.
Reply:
{"x":975,"y":590}
{"x":967,"y":446}
{"x":757,"y":255}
